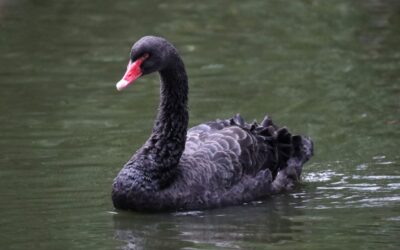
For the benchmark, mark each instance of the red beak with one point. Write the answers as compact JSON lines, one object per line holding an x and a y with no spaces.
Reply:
{"x":132,"y":73}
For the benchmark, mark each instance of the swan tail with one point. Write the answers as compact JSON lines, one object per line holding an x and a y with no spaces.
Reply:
{"x":290,"y":151}
{"x":289,"y":147}
{"x":290,"y":173}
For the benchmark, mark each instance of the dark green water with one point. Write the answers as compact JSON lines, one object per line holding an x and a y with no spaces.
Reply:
{"x":328,"y":69}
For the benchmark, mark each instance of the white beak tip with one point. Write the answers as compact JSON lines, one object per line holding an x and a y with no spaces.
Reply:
{"x":122,"y":84}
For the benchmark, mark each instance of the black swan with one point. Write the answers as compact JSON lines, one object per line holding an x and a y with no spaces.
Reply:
{"x":215,"y":164}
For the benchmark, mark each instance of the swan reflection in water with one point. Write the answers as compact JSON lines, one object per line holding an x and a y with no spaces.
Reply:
{"x":238,"y":227}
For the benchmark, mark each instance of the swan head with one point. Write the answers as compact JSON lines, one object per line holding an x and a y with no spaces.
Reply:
{"x":149,"y":54}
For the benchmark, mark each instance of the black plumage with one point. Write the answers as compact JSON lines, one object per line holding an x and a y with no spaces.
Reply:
{"x":218,"y":163}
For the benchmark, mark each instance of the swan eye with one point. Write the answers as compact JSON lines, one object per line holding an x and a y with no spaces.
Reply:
{"x":145,"y":56}
{"x":141,"y":58}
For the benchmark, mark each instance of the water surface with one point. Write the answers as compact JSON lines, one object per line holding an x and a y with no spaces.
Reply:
{"x":328,"y":69}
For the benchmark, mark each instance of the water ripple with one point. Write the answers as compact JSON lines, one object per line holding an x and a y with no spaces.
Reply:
{"x":341,"y":188}
{"x":321,"y":176}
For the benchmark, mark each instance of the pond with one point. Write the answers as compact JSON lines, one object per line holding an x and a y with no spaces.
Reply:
{"x":327,"y":69}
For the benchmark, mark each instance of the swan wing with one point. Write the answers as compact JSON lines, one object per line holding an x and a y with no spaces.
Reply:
{"x":227,"y":150}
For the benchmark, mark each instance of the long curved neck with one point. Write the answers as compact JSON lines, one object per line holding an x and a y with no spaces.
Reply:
{"x":167,"y":142}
